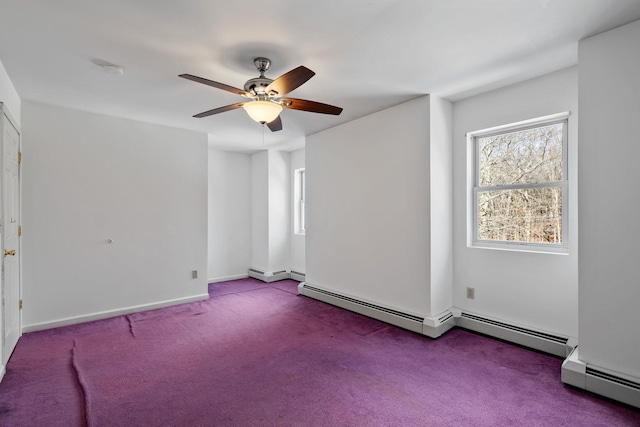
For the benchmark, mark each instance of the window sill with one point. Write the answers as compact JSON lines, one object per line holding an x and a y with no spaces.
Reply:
{"x":521,"y":247}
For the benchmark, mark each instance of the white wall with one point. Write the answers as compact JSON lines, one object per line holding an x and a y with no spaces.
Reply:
{"x":368,"y":231}
{"x":297,"y":243}
{"x":88,"y":178}
{"x":609,"y":88}
{"x":229,"y":253}
{"x":260,"y":211}
{"x":271,"y":201}
{"x":279,"y":210}
{"x":441,"y":204}
{"x":8,"y":95}
{"x":531,"y":289}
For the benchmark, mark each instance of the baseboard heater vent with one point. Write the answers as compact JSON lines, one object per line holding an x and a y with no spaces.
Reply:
{"x":253,"y":270}
{"x":550,"y":337}
{"x":527,"y":337}
{"x":268,"y":277}
{"x":297,"y":276}
{"x":612,"y":378}
{"x":385,"y":314}
{"x":614,"y":385}
{"x":446,"y":316}
{"x":366,"y":304}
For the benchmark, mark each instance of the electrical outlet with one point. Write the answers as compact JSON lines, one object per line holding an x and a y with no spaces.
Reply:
{"x":194,"y":274}
{"x":471,"y":293}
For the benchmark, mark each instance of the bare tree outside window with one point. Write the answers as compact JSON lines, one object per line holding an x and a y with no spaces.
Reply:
{"x":520,"y":180}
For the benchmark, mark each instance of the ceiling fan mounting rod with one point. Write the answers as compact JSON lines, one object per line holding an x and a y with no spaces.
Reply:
{"x":262,"y":64}
{"x":257,"y":85}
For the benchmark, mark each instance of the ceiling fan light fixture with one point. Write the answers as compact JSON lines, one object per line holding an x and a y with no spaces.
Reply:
{"x":266,"y":95}
{"x":262,"y":111}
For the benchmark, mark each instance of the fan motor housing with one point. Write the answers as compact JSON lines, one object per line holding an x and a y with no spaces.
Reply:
{"x":257,"y":84}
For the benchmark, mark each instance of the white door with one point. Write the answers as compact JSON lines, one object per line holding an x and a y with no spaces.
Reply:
{"x":10,"y":217}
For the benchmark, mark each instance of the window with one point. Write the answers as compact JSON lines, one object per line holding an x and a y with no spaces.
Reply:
{"x":520,"y":185}
{"x":300,"y":223}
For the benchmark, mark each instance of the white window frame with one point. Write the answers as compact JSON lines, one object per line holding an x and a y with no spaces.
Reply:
{"x":299,"y":206}
{"x":475,"y":189}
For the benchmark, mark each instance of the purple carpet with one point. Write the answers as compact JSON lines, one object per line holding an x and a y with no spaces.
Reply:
{"x":258,"y":354}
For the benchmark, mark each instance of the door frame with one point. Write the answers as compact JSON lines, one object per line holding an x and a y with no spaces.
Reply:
{"x":5,"y":112}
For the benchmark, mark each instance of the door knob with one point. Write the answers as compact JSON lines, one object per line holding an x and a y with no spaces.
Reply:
{"x":12,"y":252}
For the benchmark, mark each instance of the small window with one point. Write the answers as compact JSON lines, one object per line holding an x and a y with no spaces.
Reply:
{"x":300,"y":223}
{"x":520,"y":185}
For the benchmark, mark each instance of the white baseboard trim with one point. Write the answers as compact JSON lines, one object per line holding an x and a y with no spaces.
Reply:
{"x":227,"y":278}
{"x":111,"y":313}
{"x":547,"y":342}
{"x":268,"y":276}
{"x":2,"y":372}
{"x":605,"y":382}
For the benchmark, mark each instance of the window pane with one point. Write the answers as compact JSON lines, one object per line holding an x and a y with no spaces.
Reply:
{"x":529,"y":215}
{"x":522,"y":157}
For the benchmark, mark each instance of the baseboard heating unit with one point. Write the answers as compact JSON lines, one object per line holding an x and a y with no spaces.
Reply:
{"x":574,"y":372}
{"x":430,"y":326}
{"x":268,"y":277}
{"x":548,"y":343}
{"x":601,"y":381}
{"x":297,"y":276}
{"x":275,"y":276}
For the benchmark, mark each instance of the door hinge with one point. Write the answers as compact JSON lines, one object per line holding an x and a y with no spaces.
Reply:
{"x":20,"y":304}
{"x":19,"y":230}
{"x":19,"y":157}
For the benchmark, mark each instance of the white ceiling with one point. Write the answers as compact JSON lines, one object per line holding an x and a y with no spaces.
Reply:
{"x":367,"y":54}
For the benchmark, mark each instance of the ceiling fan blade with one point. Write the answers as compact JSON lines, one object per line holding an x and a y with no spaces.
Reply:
{"x":312,"y":106}
{"x":215,"y":84}
{"x":275,"y":125}
{"x":219,"y":110}
{"x":291,"y":80}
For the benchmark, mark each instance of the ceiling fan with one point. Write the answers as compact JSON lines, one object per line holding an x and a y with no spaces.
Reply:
{"x":267,"y":96}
